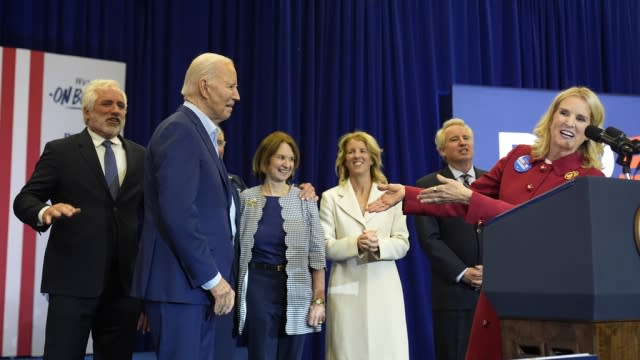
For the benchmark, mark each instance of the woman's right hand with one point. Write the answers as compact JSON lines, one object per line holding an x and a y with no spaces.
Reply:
{"x":368,"y":241}
{"x":394,"y":193}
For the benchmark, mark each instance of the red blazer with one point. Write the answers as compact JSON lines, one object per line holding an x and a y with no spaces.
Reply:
{"x":515,"y":179}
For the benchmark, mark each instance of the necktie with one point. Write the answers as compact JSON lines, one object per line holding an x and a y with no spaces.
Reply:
{"x":111,"y":169}
{"x":465,"y":179}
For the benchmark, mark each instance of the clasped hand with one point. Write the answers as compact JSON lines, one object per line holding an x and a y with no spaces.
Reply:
{"x":368,"y":241}
{"x":473,"y":276}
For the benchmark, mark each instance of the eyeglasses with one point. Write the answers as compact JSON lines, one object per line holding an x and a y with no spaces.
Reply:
{"x":221,"y":142}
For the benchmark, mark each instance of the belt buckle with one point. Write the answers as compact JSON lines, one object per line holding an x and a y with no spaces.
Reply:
{"x":279,"y":267}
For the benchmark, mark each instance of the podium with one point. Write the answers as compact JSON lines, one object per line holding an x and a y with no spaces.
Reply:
{"x":563,"y":271}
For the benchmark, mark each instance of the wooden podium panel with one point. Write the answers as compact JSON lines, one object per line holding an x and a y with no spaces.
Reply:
{"x":610,"y":340}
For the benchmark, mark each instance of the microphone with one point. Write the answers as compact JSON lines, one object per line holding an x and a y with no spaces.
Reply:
{"x":613,"y":137}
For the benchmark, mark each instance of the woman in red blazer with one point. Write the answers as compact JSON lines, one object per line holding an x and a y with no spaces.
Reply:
{"x":561,"y":152}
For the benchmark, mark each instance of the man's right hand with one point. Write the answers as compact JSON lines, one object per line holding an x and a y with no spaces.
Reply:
{"x":57,"y":211}
{"x":224,"y":297}
{"x":473,"y":276}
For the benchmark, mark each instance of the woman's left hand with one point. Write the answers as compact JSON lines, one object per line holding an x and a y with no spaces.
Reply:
{"x":450,"y":191}
{"x":316,"y":314}
{"x":368,"y":241}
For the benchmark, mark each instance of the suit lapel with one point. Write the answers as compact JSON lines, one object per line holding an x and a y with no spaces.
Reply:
{"x":373,"y":195}
{"x":478,"y":172}
{"x":349,"y":204}
{"x":446,"y":172}
{"x":133,"y":166}
{"x":202,"y":132}
{"x":88,"y":152}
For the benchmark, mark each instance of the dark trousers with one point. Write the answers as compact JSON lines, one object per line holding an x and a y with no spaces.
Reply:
{"x":228,"y":344}
{"x":451,"y":330}
{"x":182,"y":331}
{"x":111,"y":319}
{"x":266,"y":318}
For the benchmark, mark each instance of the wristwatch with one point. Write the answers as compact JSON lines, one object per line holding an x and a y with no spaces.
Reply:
{"x":317,"y":301}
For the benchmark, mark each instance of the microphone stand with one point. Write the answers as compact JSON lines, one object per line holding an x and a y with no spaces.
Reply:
{"x":625,"y":157}
{"x":624,"y":160}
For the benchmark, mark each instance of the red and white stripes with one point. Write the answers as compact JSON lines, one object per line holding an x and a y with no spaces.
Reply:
{"x":31,"y":115}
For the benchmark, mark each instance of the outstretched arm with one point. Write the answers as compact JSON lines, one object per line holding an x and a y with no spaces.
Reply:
{"x":449,"y":191}
{"x":394,"y":193}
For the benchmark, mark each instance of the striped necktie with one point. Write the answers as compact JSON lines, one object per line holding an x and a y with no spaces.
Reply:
{"x":465,"y":179}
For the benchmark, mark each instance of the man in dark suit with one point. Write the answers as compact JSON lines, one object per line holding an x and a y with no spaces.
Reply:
{"x":92,"y":246}
{"x":453,"y":248}
{"x":187,"y":251}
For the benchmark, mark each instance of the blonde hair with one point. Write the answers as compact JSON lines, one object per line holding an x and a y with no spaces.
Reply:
{"x":591,"y":150}
{"x":440,"y":140}
{"x":374,"y":151}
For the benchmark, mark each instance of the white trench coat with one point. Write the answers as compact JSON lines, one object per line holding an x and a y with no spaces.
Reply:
{"x":365,"y":305}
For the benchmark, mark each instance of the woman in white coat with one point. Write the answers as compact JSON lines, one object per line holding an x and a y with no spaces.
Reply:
{"x":365,"y":309}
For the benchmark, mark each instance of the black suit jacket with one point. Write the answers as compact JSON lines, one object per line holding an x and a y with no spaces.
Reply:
{"x":452,"y":245}
{"x":237,"y":182}
{"x":101,"y":240}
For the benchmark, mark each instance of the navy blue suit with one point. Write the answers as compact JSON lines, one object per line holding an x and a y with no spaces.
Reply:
{"x":186,"y":235}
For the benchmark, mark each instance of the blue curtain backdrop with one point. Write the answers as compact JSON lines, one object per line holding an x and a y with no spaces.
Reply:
{"x":320,"y":68}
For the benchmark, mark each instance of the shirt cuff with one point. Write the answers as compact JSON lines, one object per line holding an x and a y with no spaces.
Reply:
{"x":41,"y":214}
{"x":211,"y":283}
{"x":459,"y":277}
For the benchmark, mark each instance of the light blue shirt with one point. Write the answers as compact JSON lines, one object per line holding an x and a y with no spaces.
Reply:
{"x":212,"y":130}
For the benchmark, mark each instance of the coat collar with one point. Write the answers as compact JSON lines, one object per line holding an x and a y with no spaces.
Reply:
{"x":202,"y":132}
{"x":348,"y":202}
{"x":204,"y":136}
{"x":565,"y":164}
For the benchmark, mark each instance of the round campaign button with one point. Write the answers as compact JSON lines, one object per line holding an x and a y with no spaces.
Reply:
{"x":522,"y":164}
